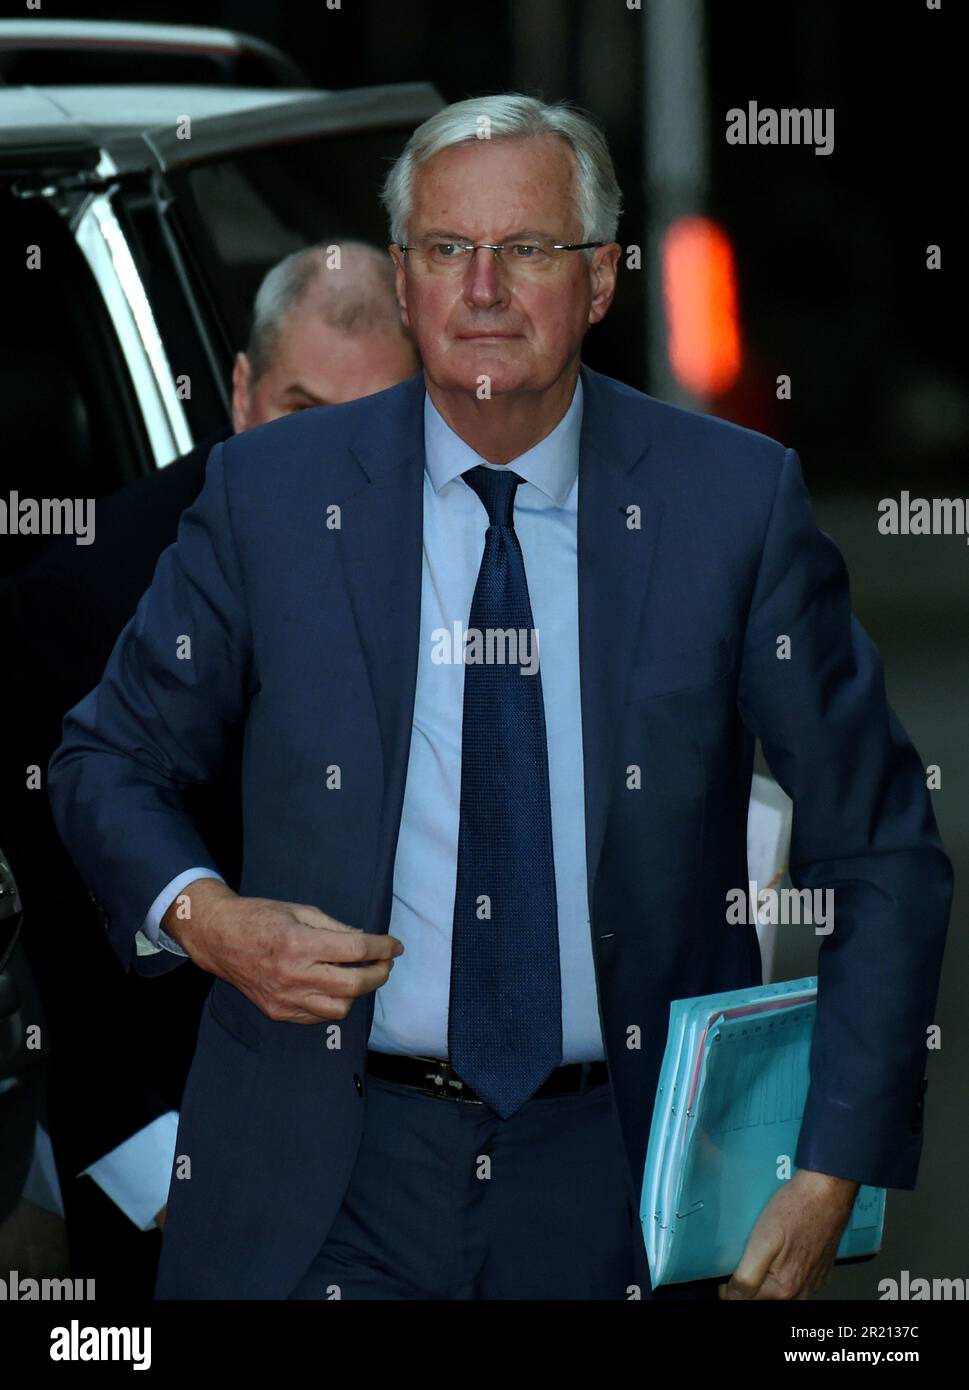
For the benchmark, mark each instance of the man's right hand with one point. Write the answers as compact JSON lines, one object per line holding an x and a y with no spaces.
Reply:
{"x":292,"y":961}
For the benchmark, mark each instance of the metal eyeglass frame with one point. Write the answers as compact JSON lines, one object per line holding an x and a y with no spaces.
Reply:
{"x":501,"y":246}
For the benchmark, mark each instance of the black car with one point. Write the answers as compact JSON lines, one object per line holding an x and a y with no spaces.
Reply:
{"x":136,"y":222}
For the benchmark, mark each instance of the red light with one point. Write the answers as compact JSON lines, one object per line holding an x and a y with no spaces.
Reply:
{"x":700,"y":294}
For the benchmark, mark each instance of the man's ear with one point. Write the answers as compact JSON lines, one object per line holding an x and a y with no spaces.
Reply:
{"x":605,"y":269}
{"x":241,"y":377}
{"x":398,"y":258}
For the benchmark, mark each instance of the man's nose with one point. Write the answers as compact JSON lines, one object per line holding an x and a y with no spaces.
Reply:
{"x":484,"y":280}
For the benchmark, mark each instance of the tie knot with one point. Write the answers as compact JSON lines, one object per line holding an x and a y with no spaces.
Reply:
{"x":496,"y":487}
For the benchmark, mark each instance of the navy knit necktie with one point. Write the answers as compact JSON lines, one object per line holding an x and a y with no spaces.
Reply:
{"x":505,"y":1015}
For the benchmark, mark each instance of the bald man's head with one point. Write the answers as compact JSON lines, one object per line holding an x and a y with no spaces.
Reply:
{"x":326,"y":328}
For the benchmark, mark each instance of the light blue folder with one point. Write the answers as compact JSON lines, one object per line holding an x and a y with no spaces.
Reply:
{"x":728,"y":1111}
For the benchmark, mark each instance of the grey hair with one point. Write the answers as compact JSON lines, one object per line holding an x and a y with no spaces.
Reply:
{"x":598,"y":199}
{"x":353,"y":291}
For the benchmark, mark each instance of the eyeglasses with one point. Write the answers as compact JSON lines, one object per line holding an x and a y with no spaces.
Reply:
{"x":525,"y":257}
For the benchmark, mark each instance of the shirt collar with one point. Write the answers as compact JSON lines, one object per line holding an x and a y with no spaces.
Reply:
{"x":551,"y":465}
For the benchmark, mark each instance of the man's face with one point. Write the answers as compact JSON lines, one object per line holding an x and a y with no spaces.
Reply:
{"x":314,"y":364}
{"x":520,"y":332}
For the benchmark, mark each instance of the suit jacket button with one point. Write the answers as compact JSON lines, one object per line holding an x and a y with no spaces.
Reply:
{"x":358,"y":1083}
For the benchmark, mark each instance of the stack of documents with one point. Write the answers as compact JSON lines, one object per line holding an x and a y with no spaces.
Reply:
{"x":728,"y":1111}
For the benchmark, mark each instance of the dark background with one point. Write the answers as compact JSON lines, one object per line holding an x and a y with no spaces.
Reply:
{"x":830,"y":249}
{"x":833,"y":290}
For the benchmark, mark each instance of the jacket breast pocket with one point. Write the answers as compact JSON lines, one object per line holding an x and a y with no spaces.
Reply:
{"x":237,"y":1015}
{"x":673,"y":671}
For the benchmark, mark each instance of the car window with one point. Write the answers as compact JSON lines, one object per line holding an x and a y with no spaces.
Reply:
{"x":69,"y":420}
{"x":242,"y":215}
{"x":195,"y":345}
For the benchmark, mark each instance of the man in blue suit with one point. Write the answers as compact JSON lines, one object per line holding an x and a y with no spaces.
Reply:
{"x":473,"y":880}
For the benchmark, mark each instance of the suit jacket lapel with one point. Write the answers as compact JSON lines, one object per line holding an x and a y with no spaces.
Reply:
{"x":380,"y":490}
{"x":614,"y":563}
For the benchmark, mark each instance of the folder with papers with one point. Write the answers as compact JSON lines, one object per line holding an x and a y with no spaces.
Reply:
{"x":728,"y":1109}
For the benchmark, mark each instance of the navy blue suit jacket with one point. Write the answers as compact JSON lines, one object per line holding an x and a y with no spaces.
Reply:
{"x":308,"y":634}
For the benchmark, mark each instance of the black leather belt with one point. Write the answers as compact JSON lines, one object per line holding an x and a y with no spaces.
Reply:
{"x":434,"y":1077}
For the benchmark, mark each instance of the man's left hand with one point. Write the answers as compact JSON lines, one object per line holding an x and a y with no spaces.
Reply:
{"x":790,"y":1252}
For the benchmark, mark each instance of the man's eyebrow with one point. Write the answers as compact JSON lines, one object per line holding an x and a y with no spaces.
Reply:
{"x":444,"y":232}
{"x":510,"y":236}
{"x":301,"y":390}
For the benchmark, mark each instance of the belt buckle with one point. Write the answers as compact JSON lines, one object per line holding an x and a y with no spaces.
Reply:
{"x":445,"y":1081}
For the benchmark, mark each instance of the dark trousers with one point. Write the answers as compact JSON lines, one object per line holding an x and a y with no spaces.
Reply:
{"x":448,"y":1201}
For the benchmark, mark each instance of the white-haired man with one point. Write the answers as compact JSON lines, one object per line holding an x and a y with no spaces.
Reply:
{"x":541,"y":857}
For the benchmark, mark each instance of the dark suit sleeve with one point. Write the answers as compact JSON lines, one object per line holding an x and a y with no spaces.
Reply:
{"x":177,"y":683}
{"x":863,"y":826}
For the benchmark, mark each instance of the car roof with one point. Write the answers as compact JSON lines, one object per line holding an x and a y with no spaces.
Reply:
{"x":28,"y":34}
{"x":139,"y":126}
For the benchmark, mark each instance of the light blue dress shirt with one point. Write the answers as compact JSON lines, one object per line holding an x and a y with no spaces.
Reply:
{"x":411,"y":1009}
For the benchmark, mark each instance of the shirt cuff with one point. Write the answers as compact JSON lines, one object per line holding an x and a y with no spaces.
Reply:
{"x":151,"y":938}
{"x":136,"y":1175}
